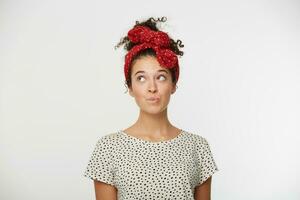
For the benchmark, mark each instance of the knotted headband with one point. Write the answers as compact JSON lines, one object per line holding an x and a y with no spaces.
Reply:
{"x":159,"y":41}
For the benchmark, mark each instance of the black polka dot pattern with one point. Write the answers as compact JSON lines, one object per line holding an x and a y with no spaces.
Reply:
{"x":142,"y":169}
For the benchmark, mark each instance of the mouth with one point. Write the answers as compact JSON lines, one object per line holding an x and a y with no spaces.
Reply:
{"x":153,"y":99}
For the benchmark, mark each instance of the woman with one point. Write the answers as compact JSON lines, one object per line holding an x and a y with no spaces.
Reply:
{"x":151,"y":159}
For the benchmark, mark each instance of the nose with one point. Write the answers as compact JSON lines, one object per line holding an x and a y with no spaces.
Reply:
{"x":152,"y":86}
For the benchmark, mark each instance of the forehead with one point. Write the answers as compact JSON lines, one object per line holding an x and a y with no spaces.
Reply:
{"x":148,"y":64}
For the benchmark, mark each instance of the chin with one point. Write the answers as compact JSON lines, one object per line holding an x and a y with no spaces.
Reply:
{"x":153,"y":110}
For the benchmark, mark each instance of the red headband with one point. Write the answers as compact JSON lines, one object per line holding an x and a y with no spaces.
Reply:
{"x":157,"y":40}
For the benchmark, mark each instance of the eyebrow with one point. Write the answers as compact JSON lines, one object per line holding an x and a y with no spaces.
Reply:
{"x":161,"y":70}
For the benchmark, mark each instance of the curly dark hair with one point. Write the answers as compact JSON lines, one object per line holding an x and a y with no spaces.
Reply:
{"x":152,"y":24}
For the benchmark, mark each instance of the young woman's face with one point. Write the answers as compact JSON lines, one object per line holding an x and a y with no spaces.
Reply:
{"x":150,"y":80}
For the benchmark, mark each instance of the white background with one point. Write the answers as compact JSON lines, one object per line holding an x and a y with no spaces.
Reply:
{"x":62,"y":87}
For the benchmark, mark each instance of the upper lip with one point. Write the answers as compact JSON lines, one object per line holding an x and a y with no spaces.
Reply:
{"x":152,"y":98}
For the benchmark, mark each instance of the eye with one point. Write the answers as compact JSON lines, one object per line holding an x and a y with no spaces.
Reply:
{"x":164,"y":78}
{"x":138,"y":78}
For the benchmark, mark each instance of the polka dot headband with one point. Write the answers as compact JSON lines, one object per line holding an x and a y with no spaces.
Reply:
{"x":159,"y":41}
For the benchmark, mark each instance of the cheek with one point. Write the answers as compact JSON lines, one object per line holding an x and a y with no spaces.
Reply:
{"x":167,"y":90}
{"x":138,"y":91}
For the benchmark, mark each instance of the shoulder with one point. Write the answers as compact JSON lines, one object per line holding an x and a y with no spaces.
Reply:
{"x":196,"y":137}
{"x":198,"y":141}
{"x":107,"y":139}
{"x":110,"y":136}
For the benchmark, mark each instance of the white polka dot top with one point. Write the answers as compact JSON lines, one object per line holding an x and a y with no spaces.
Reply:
{"x":142,"y":169}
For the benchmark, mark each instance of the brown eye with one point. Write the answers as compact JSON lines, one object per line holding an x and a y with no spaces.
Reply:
{"x":138,"y":78}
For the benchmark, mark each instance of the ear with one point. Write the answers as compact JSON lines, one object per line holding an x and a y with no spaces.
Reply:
{"x":174,"y":88}
{"x":130,"y":91}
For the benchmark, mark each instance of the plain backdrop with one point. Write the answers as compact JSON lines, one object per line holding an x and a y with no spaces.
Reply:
{"x":62,"y":87}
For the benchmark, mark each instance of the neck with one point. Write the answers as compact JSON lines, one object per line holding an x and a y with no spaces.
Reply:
{"x":153,"y":124}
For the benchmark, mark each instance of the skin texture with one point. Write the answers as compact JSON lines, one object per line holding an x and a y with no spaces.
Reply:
{"x":202,"y":192}
{"x":149,"y":79}
{"x":105,"y":191}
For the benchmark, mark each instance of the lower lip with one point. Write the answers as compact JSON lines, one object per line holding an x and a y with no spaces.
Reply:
{"x":153,"y":101}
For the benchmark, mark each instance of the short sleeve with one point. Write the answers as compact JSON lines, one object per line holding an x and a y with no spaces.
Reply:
{"x":100,"y":165}
{"x":207,"y":163}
